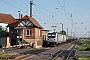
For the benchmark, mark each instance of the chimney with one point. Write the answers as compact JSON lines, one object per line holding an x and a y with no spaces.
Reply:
{"x":31,"y":8}
{"x":21,"y":16}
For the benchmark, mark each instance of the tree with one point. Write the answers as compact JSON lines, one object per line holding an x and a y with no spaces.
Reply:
{"x":63,"y":32}
{"x":3,"y":32}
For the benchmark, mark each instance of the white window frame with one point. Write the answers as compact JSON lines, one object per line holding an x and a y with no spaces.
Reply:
{"x":36,"y":32}
{"x":39,"y":32}
{"x":30,"y":33}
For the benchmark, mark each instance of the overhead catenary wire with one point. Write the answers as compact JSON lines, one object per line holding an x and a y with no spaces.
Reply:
{"x":48,"y":11}
{"x":42,"y":19}
{"x":42,"y":8}
{"x":86,"y":33}
{"x":77,"y":5}
{"x":48,"y":16}
{"x":63,"y":10}
{"x":80,"y":10}
{"x":43,"y":13}
{"x":13,"y":6}
{"x":72,"y":13}
{"x":21,"y":9}
{"x":69,"y":13}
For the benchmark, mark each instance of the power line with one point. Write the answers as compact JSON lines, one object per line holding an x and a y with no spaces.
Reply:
{"x":68,"y":12}
{"x":86,"y":33}
{"x":43,"y":13}
{"x":27,"y":10}
{"x":41,"y":19}
{"x":81,"y":10}
{"x":48,"y":11}
{"x":83,"y":4}
{"x":47,"y":16}
{"x":14,"y":6}
{"x":42,"y":8}
{"x":63,"y":10}
{"x":66,"y":6}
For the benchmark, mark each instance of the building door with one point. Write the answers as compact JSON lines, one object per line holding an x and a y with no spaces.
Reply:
{"x":42,"y":39}
{"x":19,"y":38}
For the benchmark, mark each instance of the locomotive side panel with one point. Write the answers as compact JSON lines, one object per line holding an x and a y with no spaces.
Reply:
{"x":59,"y":38}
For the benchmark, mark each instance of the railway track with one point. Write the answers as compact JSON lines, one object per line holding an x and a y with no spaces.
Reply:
{"x":69,"y":54}
{"x":56,"y":54}
{"x":42,"y":54}
{"x":28,"y":55}
{"x":49,"y":54}
{"x":61,"y":52}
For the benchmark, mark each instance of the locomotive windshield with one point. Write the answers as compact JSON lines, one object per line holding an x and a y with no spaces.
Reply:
{"x":51,"y":35}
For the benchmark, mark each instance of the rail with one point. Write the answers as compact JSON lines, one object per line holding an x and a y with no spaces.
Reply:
{"x":67,"y":58}
{"x":53,"y":55}
{"x":56,"y":54}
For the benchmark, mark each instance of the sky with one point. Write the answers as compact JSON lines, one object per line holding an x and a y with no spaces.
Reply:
{"x":73,"y":14}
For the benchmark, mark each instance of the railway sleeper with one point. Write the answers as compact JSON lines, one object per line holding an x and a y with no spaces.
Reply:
{"x":56,"y":54}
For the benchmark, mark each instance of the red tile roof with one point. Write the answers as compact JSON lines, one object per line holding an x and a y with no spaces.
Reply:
{"x":6,"y":18}
{"x":13,"y":23}
{"x":33,"y":21}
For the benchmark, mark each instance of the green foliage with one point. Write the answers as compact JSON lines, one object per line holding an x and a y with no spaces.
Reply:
{"x":5,"y":55}
{"x":83,"y":58}
{"x":63,"y":32}
{"x":3,"y":32}
{"x":85,"y":45}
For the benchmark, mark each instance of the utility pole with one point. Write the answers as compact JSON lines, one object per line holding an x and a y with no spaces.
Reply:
{"x":67,"y":31}
{"x":62,"y":27}
{"x":31,"y":2}
{"x":62,"y":31}
{"x":71,"y":32}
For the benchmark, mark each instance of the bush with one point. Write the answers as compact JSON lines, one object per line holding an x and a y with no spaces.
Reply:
{"x":87,"y":49}
{"x":85,"y":45}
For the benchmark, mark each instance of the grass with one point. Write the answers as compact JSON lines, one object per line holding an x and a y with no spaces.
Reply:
{"x":85,"y":45}
{"x":83,"y":58}
{"x":4,"y":55}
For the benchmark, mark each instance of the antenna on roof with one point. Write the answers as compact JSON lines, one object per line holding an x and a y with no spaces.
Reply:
{"x":31,"y":2}
{"x":19,"y":13}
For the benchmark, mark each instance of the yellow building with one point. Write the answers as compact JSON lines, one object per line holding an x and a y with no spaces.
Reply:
{"x":44,"y":36}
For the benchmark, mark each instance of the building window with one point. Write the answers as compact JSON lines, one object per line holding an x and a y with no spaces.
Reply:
{"x":37,"y":32}
{"x":29,"y":32}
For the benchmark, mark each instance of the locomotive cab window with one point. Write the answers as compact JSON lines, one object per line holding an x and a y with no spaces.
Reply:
{"x":51,"y":35}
